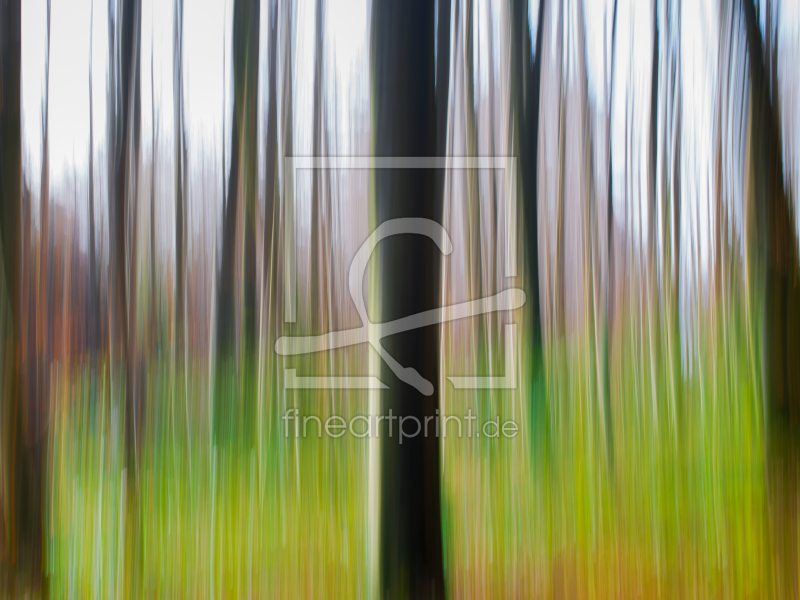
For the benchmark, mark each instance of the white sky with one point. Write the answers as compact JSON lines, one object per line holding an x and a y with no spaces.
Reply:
{"x":69,"y":81}
{"x":207,"y":47}
{"x":207,"y":35}
{"x":204,"y":26}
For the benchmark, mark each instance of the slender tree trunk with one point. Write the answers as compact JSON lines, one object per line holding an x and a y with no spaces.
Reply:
{"x":236,"y":327}
{"x":122,"y":203}
{"x":111,"y":120}
{"x":526,"y":84}
{"x":250,"y":182}
{"x":181,"y":380}
{"x":318,"y":312}
{"x":442,"y":91}
{"x":36,"y":420}
{"x":272,"y":193}
{"x":180,"y":217}
{"x":472,"y":199}
{"x":561,"y":273}
{"x":650,"y":288}
{"x":133,"y":364}
{"x":611,"y":275}
{"x":43,"y":322}
{"x":32,"y":433}
{"x":155,"y":330}
{"x":94,"y":294}
{"x":653,"y":148}
{"x":225,"y":320}
{"x":676,"y":198}
{"x":13,"y":460}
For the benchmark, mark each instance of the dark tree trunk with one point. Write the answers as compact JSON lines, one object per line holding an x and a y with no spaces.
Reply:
{"x":236,"y":306}
{"x":526,"y":74}
{"x":44,"y":322}
{"x":777,"y":262}
{"x":249,"y":138}
{"x":319,"y":312}
{"x":133,"y":365}
{"x":651,"y":213}
{"x":610,"y":260}
{"x":271,"y":202}
{"x":125,"y":115}
{"x":776,"y":239}
{"x":676,"y":190}
{"x":31,"y":499}
{"x":94,"y":301}
{"x":181,"y":350}
{"x":177,"y":82}
{"x":526,"y":90}
{"x":226,"y":307}
{"x":180,"y":216}
{"x":10,"y":199}
{"x":559,"y":308}
{"x":442,"y":85}
{"x":404,"y":117}
{"x":240,"y":194}
{"x":154,"y":326}
{"x":610,"y":205}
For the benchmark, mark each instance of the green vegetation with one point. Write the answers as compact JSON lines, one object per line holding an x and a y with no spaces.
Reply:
{"x":680,"y":508}
{"x":219,"y":520}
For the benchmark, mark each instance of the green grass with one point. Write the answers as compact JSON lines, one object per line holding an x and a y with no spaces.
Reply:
{"x":674,"y":501}
{"x":218,"y":520}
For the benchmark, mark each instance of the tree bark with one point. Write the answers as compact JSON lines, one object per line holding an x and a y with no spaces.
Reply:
{"x":526,"y":94}
{"x":236,"y":326}
{"x":94,"y":299}
{"x":776,"y":258}
{"x":154,"y":326}
{"x":319,"y":310}
{"x":180,"y":216}
{"x":271,"y":201}
{"x":125,"y":122}
{"x":32,"y":501}
{"x":776,"y":240}
{"x":404,"y":117}
{"x":10,"y":199}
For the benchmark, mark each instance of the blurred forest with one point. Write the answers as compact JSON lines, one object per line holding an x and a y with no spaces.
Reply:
{"x":151,"y":212}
